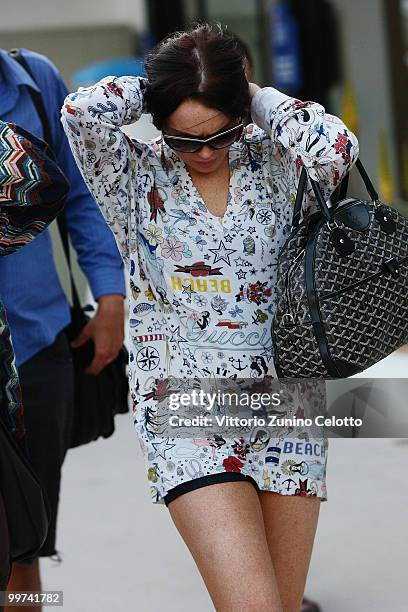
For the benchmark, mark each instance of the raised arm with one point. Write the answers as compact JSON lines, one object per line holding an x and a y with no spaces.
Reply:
{"x":33,"y":189}
{"x":107,"y":158}
{"x":303,"y":134}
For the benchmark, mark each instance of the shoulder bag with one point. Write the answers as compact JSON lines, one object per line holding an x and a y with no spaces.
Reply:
{"x":342,"y":293}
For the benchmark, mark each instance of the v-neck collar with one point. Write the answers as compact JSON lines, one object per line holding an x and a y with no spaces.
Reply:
{"x":193,"y":196}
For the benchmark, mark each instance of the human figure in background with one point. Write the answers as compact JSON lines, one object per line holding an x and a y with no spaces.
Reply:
{"x":32,"y":193}
{"x":37,"y":307}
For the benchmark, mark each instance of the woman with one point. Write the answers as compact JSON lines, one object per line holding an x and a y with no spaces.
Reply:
{"x":199,"y":216}
{"x":32,"y":193}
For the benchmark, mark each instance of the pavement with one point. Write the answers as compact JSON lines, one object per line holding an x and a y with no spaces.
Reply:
{"x":120,"y":552}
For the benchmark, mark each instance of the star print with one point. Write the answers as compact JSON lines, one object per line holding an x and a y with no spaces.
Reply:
{"x":240,"y":262}
{"x":201,"y":232}
{"x":237,"y":228}
{"x":267,"y":353}
{"x":206,"y":256}
{"x":160,"y":448}
{"x":222,"y":253}
{"x":263,"y":270}
{"x":251,"y":230}
{"x":147,"y":358}
{"x":241,"y":274}
{"x":187,"y":289}
{"x":228,"y":238}
{"x":253,"y":271}
{"x":175,"y":335}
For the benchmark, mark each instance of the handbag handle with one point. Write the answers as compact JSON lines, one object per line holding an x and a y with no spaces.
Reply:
{"x":339,"y":194}
{"x":38,"y":102}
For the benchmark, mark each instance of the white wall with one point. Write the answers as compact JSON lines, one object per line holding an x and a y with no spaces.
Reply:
{"x":43,"y":14}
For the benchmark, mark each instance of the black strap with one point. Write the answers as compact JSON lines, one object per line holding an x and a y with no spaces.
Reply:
{"x":343,"y":187}
{"x":340,"y":194}
{"x":299,"y":197}
{"x":38,"y":102}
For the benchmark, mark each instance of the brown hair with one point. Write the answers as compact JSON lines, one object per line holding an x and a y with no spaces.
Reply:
{"x":205,"y":63}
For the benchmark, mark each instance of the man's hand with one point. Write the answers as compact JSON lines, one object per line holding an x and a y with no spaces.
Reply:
{"x":106,"y":330}
{"x":253,"y":88}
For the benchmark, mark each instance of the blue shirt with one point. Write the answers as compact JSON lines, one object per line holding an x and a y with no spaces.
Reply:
{"x":30,"y":289}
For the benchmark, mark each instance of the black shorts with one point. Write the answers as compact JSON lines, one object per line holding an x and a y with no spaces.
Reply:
{"x":206,"y":481}
{"x":47,"y":384}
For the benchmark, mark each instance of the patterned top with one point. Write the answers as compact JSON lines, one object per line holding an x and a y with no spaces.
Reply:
{"x":32,"y":193}
{"x":202,"y":287}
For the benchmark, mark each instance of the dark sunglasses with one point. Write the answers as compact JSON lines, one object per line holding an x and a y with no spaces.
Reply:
{"x":192,"y":145}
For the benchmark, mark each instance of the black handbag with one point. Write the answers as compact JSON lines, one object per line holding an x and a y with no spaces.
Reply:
{"x":342,"y":292}
{"x":98,"y":398}
{"x":24,"y":501}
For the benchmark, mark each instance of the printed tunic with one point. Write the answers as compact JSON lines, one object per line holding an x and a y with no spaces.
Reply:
{"x":202,"y":288}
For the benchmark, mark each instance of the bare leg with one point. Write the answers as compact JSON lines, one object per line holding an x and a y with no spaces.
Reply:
{"x":223,"y":527}
{"x":25,"y":578}
{"x":290,"y":525}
